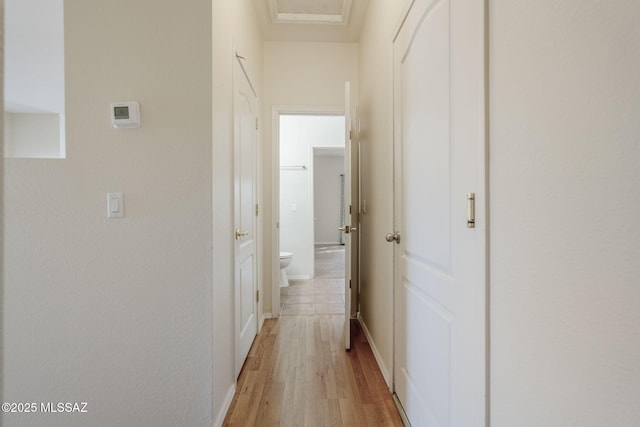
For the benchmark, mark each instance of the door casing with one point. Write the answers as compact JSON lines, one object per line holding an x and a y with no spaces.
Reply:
{"x":276,"y":112}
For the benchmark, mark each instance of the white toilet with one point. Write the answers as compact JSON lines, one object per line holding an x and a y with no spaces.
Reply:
{"x":285,"y":261}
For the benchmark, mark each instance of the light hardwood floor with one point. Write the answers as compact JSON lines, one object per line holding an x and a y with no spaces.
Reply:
{"x":298,"y":374}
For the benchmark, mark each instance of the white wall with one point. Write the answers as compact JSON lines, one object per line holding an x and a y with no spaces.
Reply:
{"x":376,"y":136}
{"x":234,"y":29}
{"x":34,"y":105}
{"x":327,"y":205}
{"x":34,"y":56}
{"x":117,"y":313}
{"x":33,"y":135}
{"x":299,"y":75}
{"x":299,"y":134}
{"x":565,"y":197}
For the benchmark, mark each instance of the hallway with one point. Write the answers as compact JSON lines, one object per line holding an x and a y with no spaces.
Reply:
{"x":122,"y":250}
{"x":298,"y":374}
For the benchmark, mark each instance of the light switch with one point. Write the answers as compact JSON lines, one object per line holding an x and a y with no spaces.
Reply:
{"x":294,"y":207}
{"x":115,"y":205}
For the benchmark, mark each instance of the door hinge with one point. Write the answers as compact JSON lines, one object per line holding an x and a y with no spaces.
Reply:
{"x":256,"y":123}
{"x":349,"y":283}
{"x":257,"y":209}
{"x":258,"y":296}
{"x":349,"y":209}
{"x":350,"y":139}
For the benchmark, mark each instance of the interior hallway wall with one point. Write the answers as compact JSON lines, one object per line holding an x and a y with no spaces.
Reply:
{"x":565,"y":197}
{"x":117,"y":312}
{"x":299,"y":75}
{"x":235,"y":29}
{"x":327,"y":190}
{"x":376,"y":136}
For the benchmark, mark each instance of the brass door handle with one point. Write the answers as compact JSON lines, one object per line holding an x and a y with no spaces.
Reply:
{"x":240,"y":234}
{"x":471,"y":210}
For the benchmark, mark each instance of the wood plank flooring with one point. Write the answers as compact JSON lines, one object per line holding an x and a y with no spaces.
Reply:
{"x":298,"y":374}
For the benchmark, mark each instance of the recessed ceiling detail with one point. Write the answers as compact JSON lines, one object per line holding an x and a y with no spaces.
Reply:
{"x":334,"y":12}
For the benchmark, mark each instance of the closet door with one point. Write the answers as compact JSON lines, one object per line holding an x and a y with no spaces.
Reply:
{"x":440,"y":284}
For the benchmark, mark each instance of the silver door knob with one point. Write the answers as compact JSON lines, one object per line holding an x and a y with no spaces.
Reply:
{"x":347,"y":229}
{"x":240,"y":234}
{"x":390,"y":237}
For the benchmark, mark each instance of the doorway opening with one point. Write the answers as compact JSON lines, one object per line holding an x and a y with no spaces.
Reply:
{"x":310,"y":200}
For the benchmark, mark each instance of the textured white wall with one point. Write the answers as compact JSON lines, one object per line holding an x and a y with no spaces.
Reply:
{"x":327,"y":203}
{"x":376,"y":136}
{"x":298,"y":136}
{"x":117,"y":313}
{"x":565,"y":197}
{"x":299,"y":75}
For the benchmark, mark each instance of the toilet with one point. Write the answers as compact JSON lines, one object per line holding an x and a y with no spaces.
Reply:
{"x":285,"y":261}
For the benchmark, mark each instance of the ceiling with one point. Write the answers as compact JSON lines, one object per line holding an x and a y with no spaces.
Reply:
{"x":311,"y":20}
{"x":321,"y":7}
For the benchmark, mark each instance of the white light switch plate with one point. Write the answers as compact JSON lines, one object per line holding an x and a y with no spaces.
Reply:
{"x":115,"y":205}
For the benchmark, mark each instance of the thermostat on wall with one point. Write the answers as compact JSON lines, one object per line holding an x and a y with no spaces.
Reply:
{"x":125,"y":114}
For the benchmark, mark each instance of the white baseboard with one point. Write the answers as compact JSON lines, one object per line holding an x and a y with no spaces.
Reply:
{"x":403,"y":414}
{"x":376,"y":353}
{"x":298,"y":277}
{"x":328,"y":243}
{"x":225,"y":406}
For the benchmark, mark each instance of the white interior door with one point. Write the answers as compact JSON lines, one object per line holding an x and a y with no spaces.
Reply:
{"x":349,"y":227}
{"x":245,"y":232}
{"x":440,"y":284}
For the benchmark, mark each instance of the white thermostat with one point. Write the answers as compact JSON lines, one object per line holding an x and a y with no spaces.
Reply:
{"x":125,"y":114}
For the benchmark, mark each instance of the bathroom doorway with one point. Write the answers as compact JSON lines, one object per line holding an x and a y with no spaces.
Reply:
{"x":311,"y":176}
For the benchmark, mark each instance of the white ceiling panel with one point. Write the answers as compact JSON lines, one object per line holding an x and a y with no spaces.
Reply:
{"x":311,"y":20}
{"x":333,"y":12}
{"x":320,"y":7}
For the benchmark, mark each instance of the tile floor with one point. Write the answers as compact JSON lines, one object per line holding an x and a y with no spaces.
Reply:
{"x":322,"y":295}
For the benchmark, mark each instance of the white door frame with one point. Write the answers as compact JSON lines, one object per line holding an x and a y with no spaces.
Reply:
{"x":276,"y":112}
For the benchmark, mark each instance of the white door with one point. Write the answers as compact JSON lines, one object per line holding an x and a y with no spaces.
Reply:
{"x":350,"y":227}
{"x":440,"y":284}
{"x":245,"y":232}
